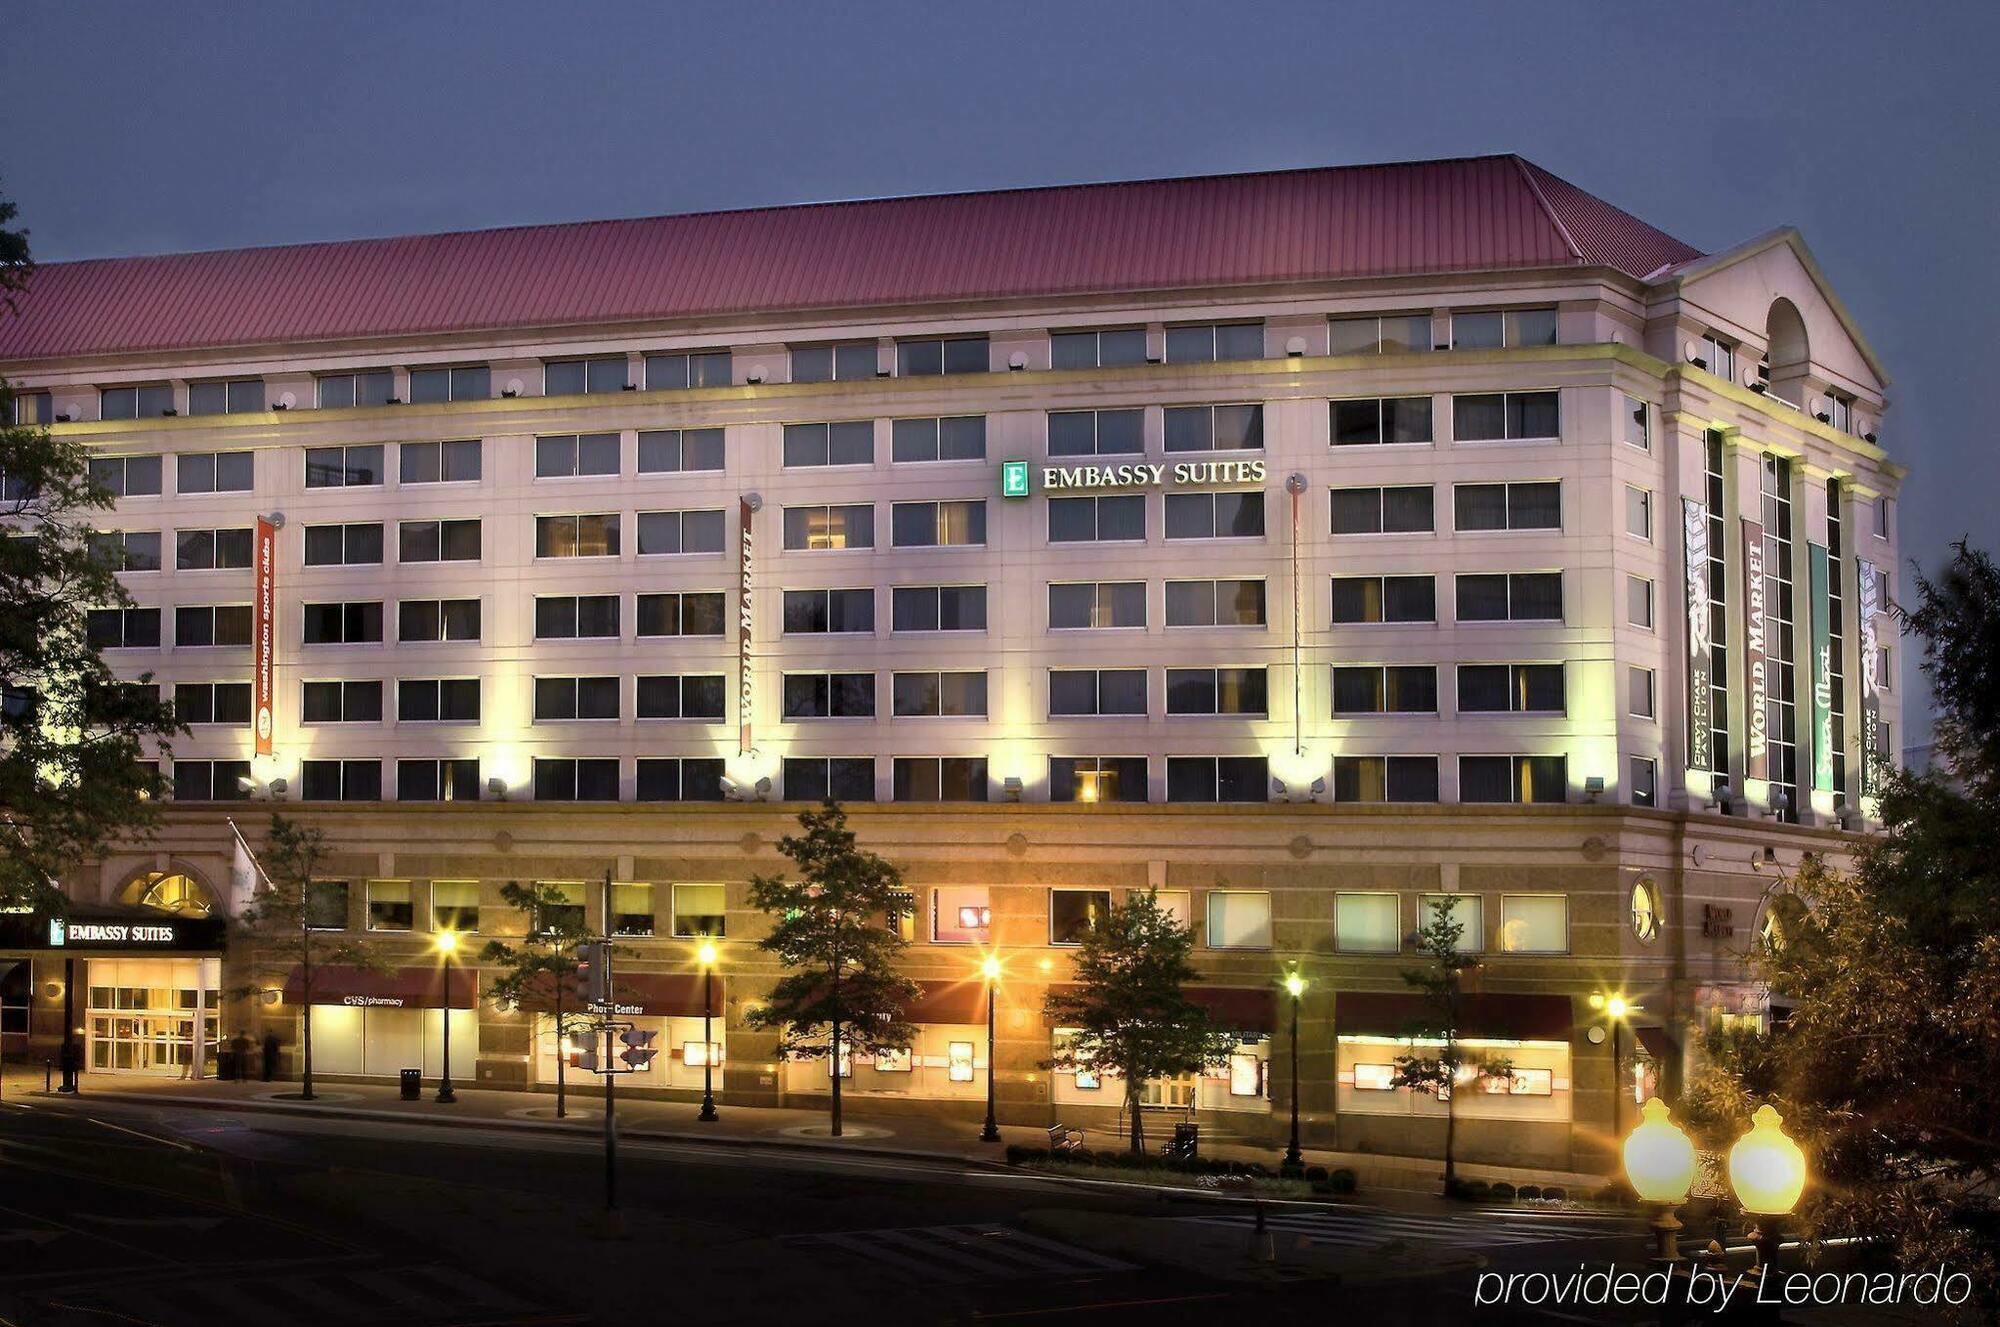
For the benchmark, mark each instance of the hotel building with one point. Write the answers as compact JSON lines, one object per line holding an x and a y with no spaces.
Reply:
{"x":1306,"y":546}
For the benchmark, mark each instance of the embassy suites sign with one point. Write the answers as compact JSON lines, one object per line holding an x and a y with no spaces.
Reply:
{"x":1014,"y":475}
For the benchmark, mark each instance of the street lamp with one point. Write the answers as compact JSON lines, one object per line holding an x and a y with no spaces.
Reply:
{"x":447,"y":945}
{"x":1768,"y":1171}
{"x":1616,"y":1009}
{"x":989,"y":968}
{"x":706,"y":957}
{"x":1659,"y":1160}
{"x":1295,"y":986}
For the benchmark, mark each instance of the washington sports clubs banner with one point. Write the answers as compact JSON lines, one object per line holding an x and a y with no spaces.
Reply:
{"x":1700,"y":643}
{"x":1756,"y":655}
{"x":263,"y":631}
{"x":1818,"y":575}
{"x":1869,"y":576}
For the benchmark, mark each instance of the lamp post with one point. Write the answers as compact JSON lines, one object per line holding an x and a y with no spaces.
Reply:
{"x":989,"y":968}
{"x":447,"y":944}
{"x":1616,"y":1009}
{"x":1768,"y":1172}
{"x":1659,"y":1160}
{"x":706,"y":957}
{"x":1295,"y":986}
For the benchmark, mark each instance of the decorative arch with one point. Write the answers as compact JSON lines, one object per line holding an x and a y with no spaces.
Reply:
{"x":1790,"y":353}
{"x":178,"y":891}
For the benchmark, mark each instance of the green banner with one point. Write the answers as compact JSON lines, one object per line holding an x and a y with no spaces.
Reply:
{"x":1822,"y":668}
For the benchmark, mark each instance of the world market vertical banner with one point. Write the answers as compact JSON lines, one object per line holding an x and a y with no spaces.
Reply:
{"x":1870,"y":579}
{"x":746,"y":568}
{"x":1756,"y":655}
{"x":263,"y":631}
{"x":1817,"y":579}
{"x":1700,"y":643}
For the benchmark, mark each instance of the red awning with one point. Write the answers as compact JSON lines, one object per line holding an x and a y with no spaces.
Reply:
{"x":1483,"y":1014}
{"x":389,"y":988}
{"x":1657,"y":1044}
{"x":650,"y":994}
{"x":951,"y":1002}
{"x":1236,"y":1009}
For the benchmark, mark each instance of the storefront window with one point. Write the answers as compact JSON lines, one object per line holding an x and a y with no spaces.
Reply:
{"x":697,"y":1054}
{"x":389,"y":907}
{"x":1533,"y":924}
{"x":631,"y":909}
{"x":700,"y":909}
{"x":1239,"y":919}
{"x":958,"y":1060}
{"x":960,"y":915}
{"x":455,"y":905}
{"x":1074,"y":912}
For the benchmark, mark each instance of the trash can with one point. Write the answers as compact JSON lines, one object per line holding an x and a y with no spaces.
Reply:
{"x":413,"y":1083}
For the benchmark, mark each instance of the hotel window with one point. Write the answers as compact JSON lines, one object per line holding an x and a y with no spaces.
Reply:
{"x":573,"y":455}
{"x":825,"y":612}
{"x":1509,"y":416}
{"x":1782,"y":636}
{"x":931,"y":356}
{"x":1638,"y":512}
{"x":341,"y":702}
{"x":829,"y":695}
{"x":960,"y":914}
{"x":1218,"y":779}
{"x":667,"y":696}
{"x":1114,"y":519}
{"x":1637,"y":432}
{"x":1404,"y":509}
{"x":952,"y":438}
{"x":1528,"y":506}
{"x":457,"y":462}
{"x":1239,"y":919}
{"x":586,"y":536}
{"x":1468,"y":910}
{"x":1839,"y":412}
{"x":561,"y":698}
{"x":838,"y":778}
{"x":667,"y":779}
{"x":1513,"y":779}
{"x":1105,"y":349}
{"x":1385,"y":779}
{"x":211,"y":624}
{"x":345,"y":391}
{"x":817,"y":529}
{"x":341,"y":781}
{"x":1097,"y":778}
{"x":32,"y":408}
{"x":1215,"y":515}
{"x":213,"y":781}
{"x":1218,"y":691}
{"x":213,"y":472}
{"x":1381,"y":421}
{"x":344,"y":467}
{"x":148,"y":402}
{"x":1219,"y":603}
{"x":1082,"y":692}
{"x":127,"y":476}
{"x":1645,"y":781}
{"x":683,"y":370}
{"x":1880,"y":510}
{"x":1533,"y":924}
{"x":850,"y":442}
{"x":128,"y":550}
{"x":1494,"y":328}
{"x":1522,"y":596}
{"x":123,"y":628}
{"x":834,"y":363}
{"x":438,"y":541}
{"x":358,"y":623}
{"x":455,"y":906}
{"x":954,"y":524}
{"x":325,"y":904}
{"x":356,"y":545}
{"x":701,"y":910}
{"x":587,"y":780}
{"x":1074,"y":913}
{"x":1367,"y":923}
{"x":1204,"y":343}
{"x":1639,"y":602}
{"x":1836,"y":672}
{"x":1096,"y":605}
{"x":679,"y":451}
{"x":1639,"y":701}
{"x":937,"y":608}
{"x":1214,"y":428}
{"x":241,"y":396}
{"x":941,"y":779}
{"x":1096,"y":432}
{"x":1385,"y":689}
{"x":389,"y":906}
{"x":437,"y":780}
{"x":1365,"y":599}
{"x":576,"y":377}
{"x":1511,"y":689}
{"x":1717,"y":356}
{"x":201,"y":550}
{"x":568,"y":914}
{"x":1386,"y":335}
{"x":942,"y":695}
{"x":437,"y":620}
{"x":671,"y":532}
{"x":471,"y":383}
{"x":437,"y":700}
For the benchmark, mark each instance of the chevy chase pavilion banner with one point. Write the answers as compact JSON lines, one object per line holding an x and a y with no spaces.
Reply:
{"x":1870,"y":578}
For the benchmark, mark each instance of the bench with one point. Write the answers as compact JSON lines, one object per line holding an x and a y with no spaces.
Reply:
{"x":1062,"y":1138}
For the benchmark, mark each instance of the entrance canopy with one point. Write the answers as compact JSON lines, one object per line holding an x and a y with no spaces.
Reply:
{"x":390,"y":988}
{"x":103,"y":930}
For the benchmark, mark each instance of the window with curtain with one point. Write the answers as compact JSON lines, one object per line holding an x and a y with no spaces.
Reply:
{"x":1367,"y":923}
{"x":1533,"y":924}
{"x":1239,"y":919}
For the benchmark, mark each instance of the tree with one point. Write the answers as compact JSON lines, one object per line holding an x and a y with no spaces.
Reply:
{"x":1442,"y":982}
{"x":841,"y":993}
{"x":1887,"y":1068}
{"x":1129,"y":1011}
{"x":544,"y":962}
{"x":293,"y":921}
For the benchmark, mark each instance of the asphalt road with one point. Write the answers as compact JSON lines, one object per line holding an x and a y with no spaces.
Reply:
{"x":126,"y":1216}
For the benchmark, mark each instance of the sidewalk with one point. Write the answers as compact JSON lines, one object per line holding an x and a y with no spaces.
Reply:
{"x":917,"y":1137}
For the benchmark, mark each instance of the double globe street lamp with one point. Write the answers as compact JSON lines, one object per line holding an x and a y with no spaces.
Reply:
{"x":1767,"y":1171}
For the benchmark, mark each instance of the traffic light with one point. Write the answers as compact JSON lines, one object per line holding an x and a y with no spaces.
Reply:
{"x":581,"y":1047}
{"x":593,"y":972}
{"x":639,"y":1049}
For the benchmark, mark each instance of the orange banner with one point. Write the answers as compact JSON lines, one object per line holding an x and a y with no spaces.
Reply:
{"x":263,"y":631}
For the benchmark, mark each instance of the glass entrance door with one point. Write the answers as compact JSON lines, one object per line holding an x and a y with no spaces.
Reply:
{"x":142,"y":1014}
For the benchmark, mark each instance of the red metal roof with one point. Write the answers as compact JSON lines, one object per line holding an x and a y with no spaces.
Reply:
{"x":1466,"y":215}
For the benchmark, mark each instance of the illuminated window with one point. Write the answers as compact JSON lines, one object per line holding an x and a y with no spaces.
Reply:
{"x":1645,"y":911}
{"x":1367,"y":923}
{"x":960,"y":914}
{"x":826,"y":528}
{"x":894,"y":1060}
{"x":700,"y":910}
{"x":1074,"y":913}
{"x":1468,"y":910}
{"x":958,"y":1061}
{"x":1246,"y":1075}
{"x":1533,"y":924}
{"x":698,"y":1054}
{"x":1374,"y":1077}
{"x":1239,"y":919}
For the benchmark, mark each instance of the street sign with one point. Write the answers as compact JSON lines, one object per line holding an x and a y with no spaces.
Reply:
{"x":639,"y":1049}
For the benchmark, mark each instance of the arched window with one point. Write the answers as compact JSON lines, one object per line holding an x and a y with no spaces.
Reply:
{"x":171,"y":892}
{"x":1789,"y":357}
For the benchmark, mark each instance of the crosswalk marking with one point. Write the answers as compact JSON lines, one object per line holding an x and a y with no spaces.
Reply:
{"x":963,"y":1255}
{"x":1372,"y":1228}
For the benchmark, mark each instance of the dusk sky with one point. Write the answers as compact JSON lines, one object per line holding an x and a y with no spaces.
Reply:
{"x":129,"y":129}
